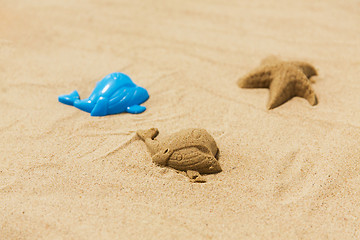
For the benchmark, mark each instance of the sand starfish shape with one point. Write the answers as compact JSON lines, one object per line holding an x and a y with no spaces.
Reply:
{"x":284,"y":79}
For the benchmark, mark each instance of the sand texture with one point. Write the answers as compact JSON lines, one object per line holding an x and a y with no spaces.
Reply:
{"x":289,"y":173}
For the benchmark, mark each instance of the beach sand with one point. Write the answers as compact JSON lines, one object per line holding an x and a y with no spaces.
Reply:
{"x":288,"y":173}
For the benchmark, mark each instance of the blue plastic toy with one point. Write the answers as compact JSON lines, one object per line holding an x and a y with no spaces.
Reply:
{"x":115,"y":93}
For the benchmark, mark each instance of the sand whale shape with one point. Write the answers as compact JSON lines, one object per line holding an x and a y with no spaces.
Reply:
{"x":115,"y":93}
{"x":191,"y":150}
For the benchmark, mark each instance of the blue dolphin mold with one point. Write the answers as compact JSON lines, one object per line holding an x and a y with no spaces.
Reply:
{"x":115,"y":93}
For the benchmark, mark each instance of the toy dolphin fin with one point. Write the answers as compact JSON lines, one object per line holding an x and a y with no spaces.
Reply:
{"x":135,"y":109}
{"x":100,"y":108}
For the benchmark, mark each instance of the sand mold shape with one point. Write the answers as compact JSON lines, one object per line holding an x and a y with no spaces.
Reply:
{"x":284,"y":79}
{"x":115,"y":93}
{"x":191,"y":150}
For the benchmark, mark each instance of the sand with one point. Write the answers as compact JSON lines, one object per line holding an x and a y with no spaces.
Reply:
{"x":289,"y":173}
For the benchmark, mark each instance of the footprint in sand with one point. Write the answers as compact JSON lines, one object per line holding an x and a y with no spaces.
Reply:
{"x":7,"y":178}
{"x":291,"y":175}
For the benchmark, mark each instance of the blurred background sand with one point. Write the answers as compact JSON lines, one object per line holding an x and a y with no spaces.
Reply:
{"x":289,"y":173}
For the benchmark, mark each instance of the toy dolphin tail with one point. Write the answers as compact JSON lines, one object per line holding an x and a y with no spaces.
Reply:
{"x":85,"y":105}
{"x":69,"y":99}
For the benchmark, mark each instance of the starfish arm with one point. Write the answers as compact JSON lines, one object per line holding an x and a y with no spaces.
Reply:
{"x":279,"y":94}
{"x":303,"y":89}
{"x":288,"y":83}
{"x":259,"y":78}
{"x":306,"y":68}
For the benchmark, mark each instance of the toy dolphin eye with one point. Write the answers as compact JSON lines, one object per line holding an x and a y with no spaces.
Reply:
{"x":196,"y":133}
